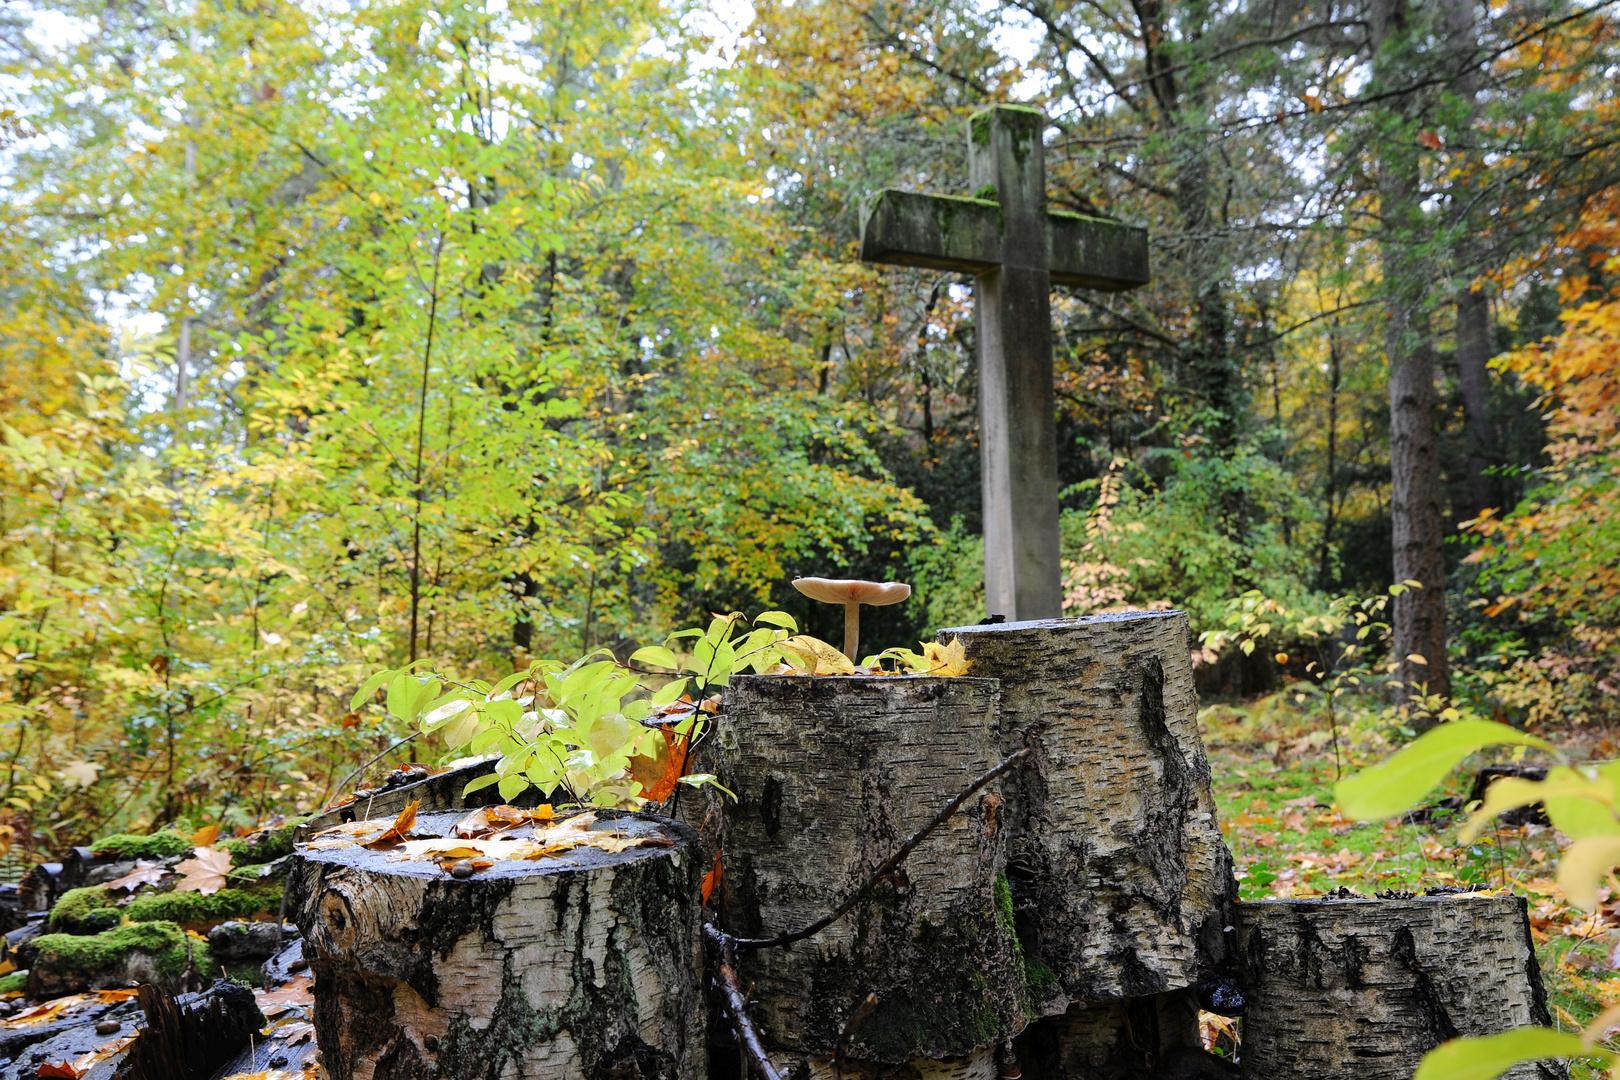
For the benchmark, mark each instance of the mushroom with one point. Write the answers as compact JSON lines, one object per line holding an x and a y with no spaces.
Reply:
{"x":852,"y":594}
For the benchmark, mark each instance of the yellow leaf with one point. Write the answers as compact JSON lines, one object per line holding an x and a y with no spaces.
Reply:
{"x":950,"y":659}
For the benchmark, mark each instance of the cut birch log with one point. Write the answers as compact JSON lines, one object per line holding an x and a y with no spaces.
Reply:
{"x":1121,"y":884}
{"x":1364,"y":988}
{"x":832,"y":774}
{"x":584,"y":965}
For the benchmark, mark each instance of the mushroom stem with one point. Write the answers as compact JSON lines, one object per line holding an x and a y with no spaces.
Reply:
{"x":852,"y":630}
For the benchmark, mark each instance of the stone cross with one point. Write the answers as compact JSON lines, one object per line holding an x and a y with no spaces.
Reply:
{"x":1016,"y":249}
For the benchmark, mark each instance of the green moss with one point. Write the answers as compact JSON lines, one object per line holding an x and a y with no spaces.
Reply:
{"x":84,"y":911}
{"x":194,"y":909}
{"x":72,"y":954}
{"x":13,"y":983}
{"x":261,"y":847}
{"x":158,"y":845}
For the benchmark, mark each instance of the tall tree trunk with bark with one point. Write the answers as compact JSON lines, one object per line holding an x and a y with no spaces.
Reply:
{"x":1414,"y":451}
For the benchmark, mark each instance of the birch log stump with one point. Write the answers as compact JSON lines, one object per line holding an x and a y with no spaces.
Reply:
{"x":1121,"y":883}
{"x":831,"y":775}
{"x":1363,"y":988}
{"x":579,"y":966}
{"x":1147,"y":1038}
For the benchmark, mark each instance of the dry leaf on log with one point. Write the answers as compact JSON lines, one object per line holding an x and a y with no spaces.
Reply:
{"x":145,"y":873}
{"x":295,"y":1032}
{"x":294,"y":995}
{"x":205,"y":836}
{"x":946,"y":659}
{"x":495,"y":820}
{"x":711,"y":879}
{"x":204,"y":872}
{"x":396,"y":832}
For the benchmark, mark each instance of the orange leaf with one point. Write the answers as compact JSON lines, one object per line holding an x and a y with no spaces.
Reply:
{"x":205,"y":836}
{"x":204,"y":872}
{"x":396,"y":832}
{"x":494,"y":820}
{"x":59,"y":1068}
{"x":659,"y":773}
{"x":1431,"y":140}
{"x":711,"y":879}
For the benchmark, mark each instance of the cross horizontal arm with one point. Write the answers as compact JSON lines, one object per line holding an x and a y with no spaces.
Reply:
{"x":941,"y":232}
{"x":946,"y":232}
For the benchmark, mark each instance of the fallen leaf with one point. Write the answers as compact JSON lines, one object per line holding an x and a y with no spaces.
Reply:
{"x":1303,"y":800}
{"x":948,"y":659}
{"x":817,"y":656}
{"x":294,"y":995}
{"x":205,"y":836}
{"x":395,"y":833}
{"x":296,"y":1032}
{"x":711,"y":879}
{"x":145,"y":873}
{"x":658,"y":773}
{"x":52,"y":1010}
{"x":491,"y":821}
{"x":59,"y":1068}
{"x":1296,"y":821}
{"x":204,"y":872}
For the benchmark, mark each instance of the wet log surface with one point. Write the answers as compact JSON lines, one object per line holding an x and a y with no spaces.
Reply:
{"x":1121,"y":884}
{"x":831,"y":776}
{"x":1363,"y":988}
{"x":580,"y":966}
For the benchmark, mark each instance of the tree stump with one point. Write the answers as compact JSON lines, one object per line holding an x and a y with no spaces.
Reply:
{"x":579,"y":966}
{"x":1121,"y":883}
{"x":1364,"y":988}
{"x":832,"y":774}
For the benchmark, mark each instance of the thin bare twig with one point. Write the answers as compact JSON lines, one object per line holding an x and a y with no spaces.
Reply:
{"x":374,"y":760}
{"x":889,"y":864}
{"x":736,"y":1003}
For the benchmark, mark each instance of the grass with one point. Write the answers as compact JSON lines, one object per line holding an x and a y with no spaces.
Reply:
{"x":1274,"y":771}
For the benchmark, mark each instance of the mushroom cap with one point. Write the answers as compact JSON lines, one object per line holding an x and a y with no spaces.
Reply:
{"x":839,"y":591}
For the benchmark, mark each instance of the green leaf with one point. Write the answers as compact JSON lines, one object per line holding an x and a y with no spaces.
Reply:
{"x":709,"y":779}
{"x":778,"y":618}
{"x":401,"y":692}
{"x":479,"y":784}
{"x":1584,"y":866}
{"x":507,"y":683}
{"x":1397,"y":784}
{"x":1489,"y":1056}
{"x":368,"y":688}
{"x":669,"y":693}
{"x":1583,"y":802}
{"x":655,"y":656}
{"x":512,"y":786}
{"x":585,"y":679}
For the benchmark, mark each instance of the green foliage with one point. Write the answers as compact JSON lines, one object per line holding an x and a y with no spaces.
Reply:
{"x":1400,"y":783}
{"x":1489,"y":1056}
{"x":582,"y":722}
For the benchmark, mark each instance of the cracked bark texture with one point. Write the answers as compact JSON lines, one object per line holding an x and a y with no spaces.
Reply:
{"x":831,"y":775}
{"x":1121,"y":884}
{"x":1363,"y":988}
{"x":581,"y":966}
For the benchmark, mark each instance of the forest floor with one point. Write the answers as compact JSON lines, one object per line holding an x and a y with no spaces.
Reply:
{"x":1274,"y":779}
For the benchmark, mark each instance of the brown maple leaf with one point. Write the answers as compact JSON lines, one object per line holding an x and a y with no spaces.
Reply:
{"x":204,"y":872}
{"x":145,"y":873}
{"x":495,"y":820}
{"x":395,"y":834}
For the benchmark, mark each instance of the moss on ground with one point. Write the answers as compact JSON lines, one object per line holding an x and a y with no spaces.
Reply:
{"x":84,"y":911}
{"x":195,"y":909}
{"x":261,"y":847}
{"x":88,"y":955}
{"x":14,"y":983}
{"x":157,"y":845}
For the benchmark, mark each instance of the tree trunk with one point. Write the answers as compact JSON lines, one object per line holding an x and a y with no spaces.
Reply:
{"x":1150,"y":1038}
{"x":1362,"y":989}
{"x":1419,"y":623}
{"x":1121,"y":884}
{"x":579,"y":966}
{"x":831,"y":775}
{"x":1473,"y":378}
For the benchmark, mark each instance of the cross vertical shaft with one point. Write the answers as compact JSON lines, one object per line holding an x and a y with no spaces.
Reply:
{"x":1017,"y":407}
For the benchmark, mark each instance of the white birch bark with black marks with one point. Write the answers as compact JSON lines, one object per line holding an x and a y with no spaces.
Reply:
{"x":1121,"y":883}
{"x":580,"y":966}
{"x":1362,"y":989}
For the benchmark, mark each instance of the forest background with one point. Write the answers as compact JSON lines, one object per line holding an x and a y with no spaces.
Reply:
{"x":339,"y":335}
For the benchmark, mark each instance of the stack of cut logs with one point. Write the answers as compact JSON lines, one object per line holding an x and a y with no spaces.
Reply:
{"x":1067,"y":923}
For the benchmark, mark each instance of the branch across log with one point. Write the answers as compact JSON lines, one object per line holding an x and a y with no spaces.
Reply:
{"x":832,"y":775}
